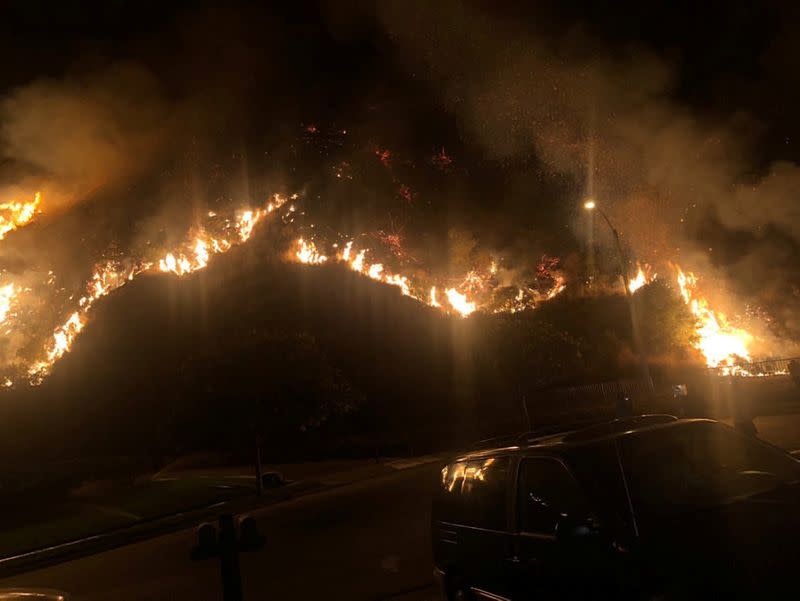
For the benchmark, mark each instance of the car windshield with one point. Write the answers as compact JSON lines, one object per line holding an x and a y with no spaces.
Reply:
{"x":698,"y":465}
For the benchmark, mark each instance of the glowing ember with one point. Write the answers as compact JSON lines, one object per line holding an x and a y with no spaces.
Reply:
{"x":722,"y":344}
{"x":17,"y":214}
{"x":459,"y":302}
{"x":433,"y":302}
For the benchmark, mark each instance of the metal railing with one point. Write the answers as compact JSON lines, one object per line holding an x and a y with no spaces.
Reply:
{"x":759,"y":369}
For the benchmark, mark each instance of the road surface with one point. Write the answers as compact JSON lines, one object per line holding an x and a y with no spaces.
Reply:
{"x":363,"y":541}
{"x":368,"y":540}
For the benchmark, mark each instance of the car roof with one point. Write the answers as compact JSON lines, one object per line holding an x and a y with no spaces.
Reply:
{"x":572,"y":435}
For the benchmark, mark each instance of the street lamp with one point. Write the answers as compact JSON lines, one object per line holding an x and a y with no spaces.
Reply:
{"x":591,"y":205}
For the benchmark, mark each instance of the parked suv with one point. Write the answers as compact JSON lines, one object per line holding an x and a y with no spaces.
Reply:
{"x":648,"y":507}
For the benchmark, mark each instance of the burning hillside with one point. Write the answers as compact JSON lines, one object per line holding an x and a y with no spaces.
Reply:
{"x":723,"y":345}
{"x":477,"y":291}
{"x":468,"y":208}
{"x":217,"y":235}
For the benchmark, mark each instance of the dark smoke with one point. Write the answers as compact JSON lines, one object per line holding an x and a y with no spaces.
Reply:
{"x":496,"y":129}
{"x":608,"y":118}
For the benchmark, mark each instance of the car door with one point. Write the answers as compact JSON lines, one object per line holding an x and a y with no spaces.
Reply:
{"x":548,"y":496}
{"x":484,"y":535}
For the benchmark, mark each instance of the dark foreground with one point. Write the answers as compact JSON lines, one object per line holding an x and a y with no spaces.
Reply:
{"x":368,"y":540}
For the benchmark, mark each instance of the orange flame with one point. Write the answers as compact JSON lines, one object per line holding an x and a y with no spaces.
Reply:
{"x":475,"y":283}
{"x":110,"y":276}
{"x":16,"y":214}
{"x":459,"y":302}
{"x":433,"y":302}
{"x":721,"y":344}
{"x":307,"y":253}
{"x":643,"y":276}
{"x":8,"y":294}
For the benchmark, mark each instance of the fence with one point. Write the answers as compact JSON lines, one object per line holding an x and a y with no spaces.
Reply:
{"x":769,"y":367}
{"x":590,"y":400}
{"x":765,"y":388}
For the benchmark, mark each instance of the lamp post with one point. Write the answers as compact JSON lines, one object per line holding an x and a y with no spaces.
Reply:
{"x":591,"y":205}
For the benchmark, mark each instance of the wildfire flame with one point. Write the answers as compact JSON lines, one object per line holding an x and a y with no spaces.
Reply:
{"x":17,"y":214}
{"x":7,"y":295}
{"x":459,"y":302}
{"x":110,"y":276}
{"x":307,"y":253}
{"x":722,"y":344}
{"x":460,"y":299}
{"x":644,"y":275}
{"x":198,"y":253}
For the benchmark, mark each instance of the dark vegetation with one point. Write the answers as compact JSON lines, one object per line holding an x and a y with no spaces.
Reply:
{"x":316,"y":361}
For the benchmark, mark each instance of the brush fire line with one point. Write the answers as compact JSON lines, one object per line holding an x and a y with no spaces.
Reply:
{"x":723,"y":345}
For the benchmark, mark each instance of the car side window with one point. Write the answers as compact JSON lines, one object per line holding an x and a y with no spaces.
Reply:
{"x":475,"y":493}
{"x":484,"y":493}
{"x":547,"y":494}
{"x":448,"y":502}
